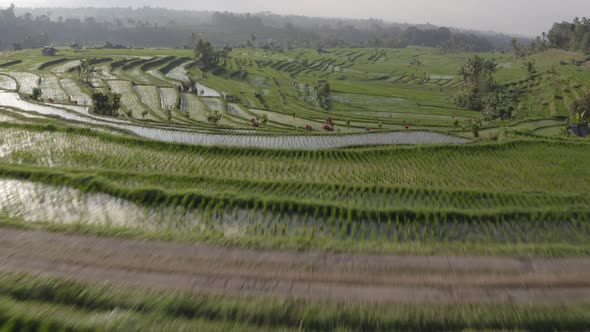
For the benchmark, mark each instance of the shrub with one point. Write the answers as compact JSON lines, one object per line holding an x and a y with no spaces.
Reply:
{"x":214,"y":117}
{"x":36,"y":93}
{"x":106,"y":104}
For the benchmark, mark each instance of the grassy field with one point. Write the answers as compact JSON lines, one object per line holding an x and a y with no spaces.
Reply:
{"x":259,"y":178}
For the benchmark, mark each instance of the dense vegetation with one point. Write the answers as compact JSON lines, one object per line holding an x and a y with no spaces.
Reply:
{"x":105,"y":104}
{"x":574,"y":36}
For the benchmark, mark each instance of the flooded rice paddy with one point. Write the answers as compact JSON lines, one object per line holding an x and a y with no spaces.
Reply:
{"x":34,"y":202}
{"x":229,"y":138}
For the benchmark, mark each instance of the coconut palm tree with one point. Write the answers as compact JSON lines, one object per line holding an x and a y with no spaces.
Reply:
{"x":85,"y":70}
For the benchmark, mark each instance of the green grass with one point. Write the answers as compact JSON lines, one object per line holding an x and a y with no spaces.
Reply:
{"x":74,"y":305}
{"x":493,"y":166}
{"x":33,"y":315}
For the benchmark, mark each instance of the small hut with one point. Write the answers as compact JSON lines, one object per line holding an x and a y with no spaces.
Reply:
{"x":49,"y":51}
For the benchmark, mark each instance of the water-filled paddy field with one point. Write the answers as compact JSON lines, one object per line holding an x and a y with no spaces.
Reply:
{"x":230,"y":139}
{"x":395,"y":195}
{"x":391,"y":161}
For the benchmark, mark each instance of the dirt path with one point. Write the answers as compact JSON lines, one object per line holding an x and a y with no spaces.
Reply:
{"x":340,"y":277}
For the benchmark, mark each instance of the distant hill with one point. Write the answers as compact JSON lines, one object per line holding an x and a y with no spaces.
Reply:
{"x":158,"y":27}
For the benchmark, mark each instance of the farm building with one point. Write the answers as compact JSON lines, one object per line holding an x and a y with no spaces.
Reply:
{"x":49,"y":51}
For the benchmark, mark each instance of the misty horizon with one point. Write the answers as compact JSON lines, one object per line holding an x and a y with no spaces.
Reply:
{"x":499,"y":16}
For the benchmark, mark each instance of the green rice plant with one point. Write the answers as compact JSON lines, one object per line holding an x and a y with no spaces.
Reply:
{"x":66,"y":67}
{"x":8,"y":83}
{"x":67,"y":303}
{"x":476,"y":185}
{"x":10,"y":63}
{"x":52,"y":63}
{"x":157,"y":63}
{"x":135,"y":63}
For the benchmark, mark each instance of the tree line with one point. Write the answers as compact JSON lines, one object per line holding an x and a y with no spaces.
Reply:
{"x":481,"y":92}
{"x":574,"y":36}
{"x":151,"y":27}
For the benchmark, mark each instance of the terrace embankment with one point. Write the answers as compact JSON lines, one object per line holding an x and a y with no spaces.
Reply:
{"x":293,"y":274}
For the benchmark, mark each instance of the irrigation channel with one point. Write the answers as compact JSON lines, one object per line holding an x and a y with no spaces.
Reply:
{"x":233,"y":138}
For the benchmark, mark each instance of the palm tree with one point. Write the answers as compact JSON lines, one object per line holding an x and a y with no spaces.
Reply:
{"x":515,"y":47}
{"x":490,"y":67}
{"x":192,"y":84}
{"x":85,"y":70}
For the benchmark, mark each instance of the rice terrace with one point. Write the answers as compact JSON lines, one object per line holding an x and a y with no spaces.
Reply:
{"x":257,"y":186}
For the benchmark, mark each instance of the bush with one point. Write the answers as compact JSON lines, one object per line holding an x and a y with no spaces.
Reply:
{"x":36,"y":93}
{"x":106,"y":104}
{"x":214,"y":117}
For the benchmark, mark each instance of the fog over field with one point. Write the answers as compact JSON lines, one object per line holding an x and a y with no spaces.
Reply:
{"x":525,"y":17}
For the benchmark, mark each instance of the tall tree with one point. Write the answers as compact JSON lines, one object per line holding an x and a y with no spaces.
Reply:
{"x":206,"y":53}
{"x":515,"y":47}
{"x":323,"y":91}
{"x":106,"y":104}
{"x":478,"y":75}
{"x":85,"y":71}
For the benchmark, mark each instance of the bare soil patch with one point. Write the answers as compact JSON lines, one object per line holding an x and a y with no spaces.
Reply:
{"x":293,"y":274}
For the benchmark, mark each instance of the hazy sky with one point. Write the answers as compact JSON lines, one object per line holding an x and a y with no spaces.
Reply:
{"x":526,"y":17}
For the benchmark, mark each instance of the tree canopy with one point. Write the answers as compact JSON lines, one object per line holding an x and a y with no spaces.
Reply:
{"x":478,"y":75}
{"x":574,"y":36}
{"x":481,"y":93}
{"x":106,"y":104}
{"x":158,"y":27}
